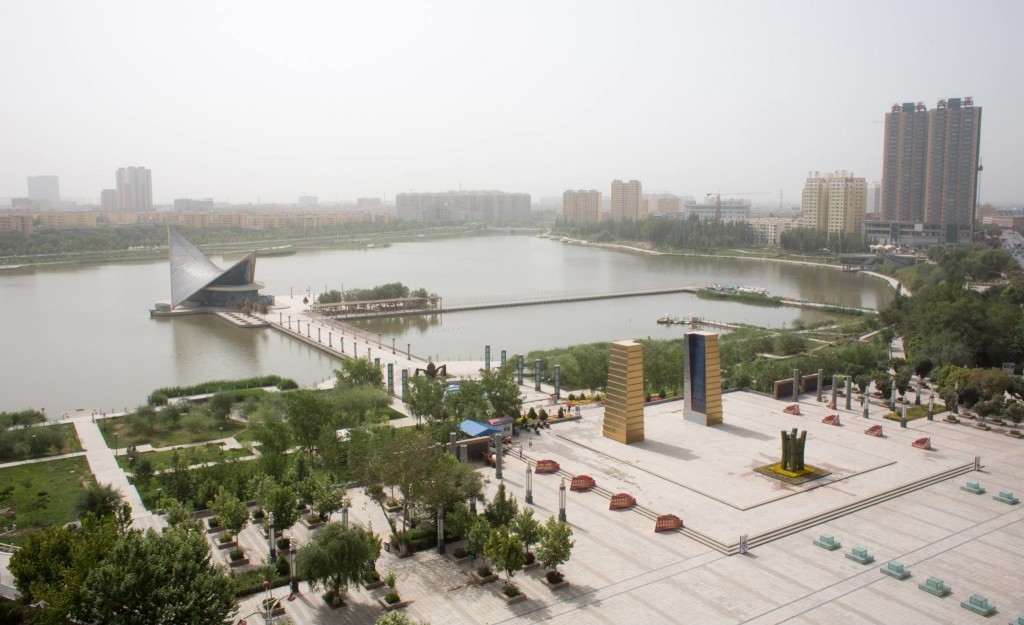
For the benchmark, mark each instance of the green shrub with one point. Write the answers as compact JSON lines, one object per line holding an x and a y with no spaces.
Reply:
{"x":483,"y":570}
{"x":236,"y":554}
{"x":572,"y":397}
{"x":510,"y":590}
{"x":392,"y":597}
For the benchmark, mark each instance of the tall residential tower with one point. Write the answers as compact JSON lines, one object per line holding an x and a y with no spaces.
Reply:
{"x":834,"y":202}
{"x":134,"y":189}
{"x":627,"y":201}
{"x":581,"y":206}
{"x":930,"y":163}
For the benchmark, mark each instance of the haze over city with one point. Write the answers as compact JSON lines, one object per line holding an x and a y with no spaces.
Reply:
{"x":251,"y":101}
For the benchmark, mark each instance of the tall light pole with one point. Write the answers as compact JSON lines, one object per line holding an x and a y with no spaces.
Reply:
{"x":561,"y":501}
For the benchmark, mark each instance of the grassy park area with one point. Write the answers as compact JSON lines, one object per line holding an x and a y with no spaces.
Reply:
{"x":211,"y":452}
{"x":122,"y":432}
{"x":42,"y":493}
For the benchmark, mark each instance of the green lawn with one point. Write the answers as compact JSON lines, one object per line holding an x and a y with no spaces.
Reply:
{"x":193,"y":455}
{"x":161,"y":437}
{"x":42,"y":493}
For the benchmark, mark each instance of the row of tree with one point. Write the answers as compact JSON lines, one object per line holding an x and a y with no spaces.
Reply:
{"x":690,"y":234}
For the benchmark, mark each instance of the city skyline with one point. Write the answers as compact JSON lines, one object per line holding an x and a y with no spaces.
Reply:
{"x":398,"y":105}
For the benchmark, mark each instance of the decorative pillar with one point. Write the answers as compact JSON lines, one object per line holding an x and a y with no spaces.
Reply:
{"x":903,"y":416}
{"x":330,"y":341}
{"x":344,"y":516}
{"x":487,"y":357}
{"x":519,"y":369}
{"x":408,"y":350}
{"x":931,"y":406}
{"x":892,"y":394}
{"x":376,"y":362}
{"x":849,"y":392}
{"x":405,"y":383}
{"x":955,"y":408}
{"x":917,"y":400}
{"x":308,"y":333}
{"x":369,"y":351}
{"x":796,"y":384}
{"x":624,"y":411}
{"x":821,"y":382}
{"x":536,"y":374}
{"x":835,"y":384}
{"x":391,"y":378}
{"x":392,"y":346}
{"x":452,"y":438}
{"x":502,"y":358}
{"x":280,"y":319}
{"x":558,"y":382}
{"x":318,"y":335}
{"x":341,"y":344}
{"x":529,"y":482}
{"x":561,"y":501}
{"x":472,"y":506}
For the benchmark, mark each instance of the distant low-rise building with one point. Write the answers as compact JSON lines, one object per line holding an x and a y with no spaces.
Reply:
{"x":184,"y":205}
{"x":729,"y":209}
{"x":914,"y":234}
{"x":67,"y":220}
{"x":486,"y":206}
{"x":16,"y":222}
{"x":768,"y":230}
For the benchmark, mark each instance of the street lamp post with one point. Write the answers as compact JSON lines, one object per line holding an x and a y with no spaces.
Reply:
{"x":270,"y":538}
{"x":291,"y":564}
{"x":529,"y":483}
{"x":561,"y":501}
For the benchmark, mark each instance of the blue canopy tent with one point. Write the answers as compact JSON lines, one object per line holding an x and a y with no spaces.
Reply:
{"x":475,"y":428}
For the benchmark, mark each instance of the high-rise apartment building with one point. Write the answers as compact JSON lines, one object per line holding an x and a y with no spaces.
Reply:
{"x":874,"y":200}
{"x":628,"y":201}
{"x":930,"y":163}
{"x":134,"y":189}
{"x":834,"y":202}
{"x":44,"y":191}
{"x":581,"y":206}
{"x":108,"y":199}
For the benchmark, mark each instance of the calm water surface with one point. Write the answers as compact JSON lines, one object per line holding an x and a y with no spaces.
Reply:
{"x":82,"y":337}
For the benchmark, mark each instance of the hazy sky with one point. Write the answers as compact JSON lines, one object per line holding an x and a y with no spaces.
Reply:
{"x":232,"y":100}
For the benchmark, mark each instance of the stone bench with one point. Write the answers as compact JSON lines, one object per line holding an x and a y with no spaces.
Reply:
{"x":979,"y":605}
{"x":621,"y":501}
{"x":667,"y":523}
{"x":827,"y":541}
{"x":935,"y":586}
{"x":832,"y":419}
{"x":861,"y":555}
{"x":874,"y":430}
{"x":922,"y":443}
{"x":582,"y":483}
{"x":792,"y":409}
{"x":973,"y":487}
{"x":896,"y":570}
{"x":1007,"y":496}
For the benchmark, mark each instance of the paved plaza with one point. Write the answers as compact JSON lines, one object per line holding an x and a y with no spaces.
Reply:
{"x":623,"y":572}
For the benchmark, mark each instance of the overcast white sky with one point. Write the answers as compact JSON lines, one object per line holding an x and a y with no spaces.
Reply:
{"x":234,"y":100}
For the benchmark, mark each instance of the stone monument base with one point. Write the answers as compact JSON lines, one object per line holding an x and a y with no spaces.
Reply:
{"x":809,"y":474}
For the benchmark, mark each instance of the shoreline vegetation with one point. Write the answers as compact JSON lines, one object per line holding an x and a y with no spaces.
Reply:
{"x":149,"y":242}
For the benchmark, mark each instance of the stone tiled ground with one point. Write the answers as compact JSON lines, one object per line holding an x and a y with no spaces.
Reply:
{"x":622,"y":572}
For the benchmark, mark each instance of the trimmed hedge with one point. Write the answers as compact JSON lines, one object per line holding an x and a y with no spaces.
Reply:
{"x":161,"y":395}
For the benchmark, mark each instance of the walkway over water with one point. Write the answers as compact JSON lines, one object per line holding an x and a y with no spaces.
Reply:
{"x":455,"y":304}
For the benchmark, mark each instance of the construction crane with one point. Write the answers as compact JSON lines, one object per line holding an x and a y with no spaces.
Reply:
{"x":718,"y":200}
